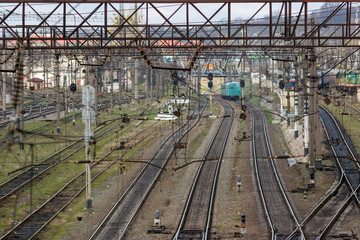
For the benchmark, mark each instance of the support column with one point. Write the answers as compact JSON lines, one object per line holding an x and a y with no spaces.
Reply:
{"x":151,"y":84}
{"x":136,"y":77}
{"x":111,"y":86}
{"x":287,"y":71}
{"x":95,"y":77}
{"x":198,"y":80}
{"x":306,"y":92}
{"x":260,"y":76}
{"x":312,"y":145}
{"x":120,"y":83}
{"x":296,"y":99}
{"x":21,"y":103}
{"x":147,"y":85}
{"x":65,"y":98}
{"x":251,"y":59}
{"x":4,"y":91}
{"x":57,"y":82}
{"x":157,"y":80}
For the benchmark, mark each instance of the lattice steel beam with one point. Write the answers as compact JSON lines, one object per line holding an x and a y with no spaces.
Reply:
{"x":229,"y":33}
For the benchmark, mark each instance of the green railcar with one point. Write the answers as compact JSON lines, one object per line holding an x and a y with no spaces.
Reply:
{"x":231,"y":90}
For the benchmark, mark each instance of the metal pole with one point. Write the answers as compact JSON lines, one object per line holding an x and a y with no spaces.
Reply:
{"x":65,"y":98}
{"x":96,"y":86}
{"x":136,"y":93}
{"x":306,"y":92}
{"x":111,"y":86}
{"x":151,"y":84}
{"x":198,"y":80}
{"x":281,"y":105}
{"x":287,"y":74}
{"x":251,"y":59}
{"x":147,"y":86}
{"x":57,"y":82}
{"x":312,"y":146}
{"x":296,"y":99}
{"x":120,"y":83}
{"x":4,"y":91}
{"x":259,"y":76}
{"x":88,"y":156}
{"x":21,"y":108}
{"x":210,"y":102}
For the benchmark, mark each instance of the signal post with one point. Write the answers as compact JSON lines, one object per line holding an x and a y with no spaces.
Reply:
{"x":210,"y":86}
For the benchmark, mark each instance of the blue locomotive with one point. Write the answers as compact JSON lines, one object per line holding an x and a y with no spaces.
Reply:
{"x":231,"y":90}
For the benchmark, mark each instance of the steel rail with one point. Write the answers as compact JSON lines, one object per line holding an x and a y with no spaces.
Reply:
{"x":132,"y":185}
{"x":196,"y":179}
{"x":68,"y":185}
{"x":337,"y":157}
{"x":318,"y":206}
{"x":279,"y":183}
{"x":213,"y":191}
{"x":43,"y":168}
{"x":353,"y":192}
{"x":344,"y":177}
{"x":278,"y":178}
{"x":261,"y":191}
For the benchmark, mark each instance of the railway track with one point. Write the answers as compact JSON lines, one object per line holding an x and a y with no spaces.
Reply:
{"x":46,"y":126}
{"x":279,"y":212}
{"x":122,"y":214}
{"x":196,"y":218}
{"x":20,"y":180}
{"x":41,"y":217}
{"x":322,"y":217}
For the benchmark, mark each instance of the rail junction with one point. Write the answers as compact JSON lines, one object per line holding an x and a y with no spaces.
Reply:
{"x":105,"y":101}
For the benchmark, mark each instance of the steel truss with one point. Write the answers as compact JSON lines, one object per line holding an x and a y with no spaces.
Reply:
{"x":282,"y":30}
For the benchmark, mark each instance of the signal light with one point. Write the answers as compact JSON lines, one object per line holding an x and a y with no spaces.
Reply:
{"x":73,"y":87}
{"x":242,"y":83}
{"x":210,"y":76}
{"x":243,"y":221}
{"x":281,"y":84}
{"x":210,"y":85}
{"x":243,"y":218}
{"x":175,"y":77}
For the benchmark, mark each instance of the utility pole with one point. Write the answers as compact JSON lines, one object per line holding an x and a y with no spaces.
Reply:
{"x":120,"y":83}
{"x":198,"y":80}
{"x":95,"y":75}
{"x":57,"y":82}
{"x":136,"y":93}
{"x":18,"y":95}
{"x":151,"y":84}
{"x":65,"y":98}
{"x":4,"y":90}
{"x":260,"y":76}
{"x":287,"y":73}
{"x":312,"y":145}
{"x":21,"y":104}
{"x":88,"y":99}
{"x":251,"y":59}
{"x":306,"y":92}
{"x":147,"y":85}
{"x":296,"y":99}
{"x":111,"y":85}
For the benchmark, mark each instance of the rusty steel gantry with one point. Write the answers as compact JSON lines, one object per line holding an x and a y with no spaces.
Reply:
{"x":284,"y":29}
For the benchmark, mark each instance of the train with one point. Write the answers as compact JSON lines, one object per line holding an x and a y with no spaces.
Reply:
{"x":231,"y":90}
{"x":348,"y":81}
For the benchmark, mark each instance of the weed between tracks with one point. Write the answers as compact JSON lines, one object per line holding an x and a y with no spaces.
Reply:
{"x":53,"y":180}
{"x":350,"y":124}
{"x":66,"y":221}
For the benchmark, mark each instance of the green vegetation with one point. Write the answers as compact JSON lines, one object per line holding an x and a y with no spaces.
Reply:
{"x":349,"y":122}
